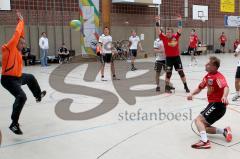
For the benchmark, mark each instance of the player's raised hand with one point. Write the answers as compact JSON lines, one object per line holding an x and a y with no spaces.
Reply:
{"x":157,"y":18}
{"x":179,"y":17}
{"x":19,"y":15}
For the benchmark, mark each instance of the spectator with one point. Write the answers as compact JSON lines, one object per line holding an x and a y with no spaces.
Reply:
{"x":223,"y":40}
{"x":28,"y":56}
{"x":44,"y":46}
{"x":63,"y":54}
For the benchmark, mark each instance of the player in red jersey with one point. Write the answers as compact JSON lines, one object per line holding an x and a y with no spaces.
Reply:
{"x":193,"y":42}
{"x":223,"y":40}
{"x":171,"y":45}
{"x":235,"y":44}
{"x":217,"y":97}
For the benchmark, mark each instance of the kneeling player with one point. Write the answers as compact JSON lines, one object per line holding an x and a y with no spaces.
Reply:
{"x":217,"y":97}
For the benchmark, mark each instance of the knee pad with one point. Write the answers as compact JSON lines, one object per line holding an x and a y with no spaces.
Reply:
{"x":181,"y":73}
{"x":168,"y":74}
{"x":22,"y":98}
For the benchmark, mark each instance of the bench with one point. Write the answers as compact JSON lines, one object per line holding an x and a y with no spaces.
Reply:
{"x":204,"y":49}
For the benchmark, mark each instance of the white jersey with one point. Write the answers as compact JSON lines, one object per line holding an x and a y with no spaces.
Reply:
{"x":134,"y":42}
{"x":43,"y":43}
{"x":158,"y":44}
{"x":106,"y":42}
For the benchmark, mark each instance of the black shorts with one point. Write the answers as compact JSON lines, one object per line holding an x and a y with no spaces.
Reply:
{"x":174,"y":61}
{"x":238,"y":72}
{"x":133,"y":52}
{"x":213,"y":112}
{"x":191,"y":50}
{"x":105,"y":58}
{"x":223,"y":44}
{"x":159,"y":65}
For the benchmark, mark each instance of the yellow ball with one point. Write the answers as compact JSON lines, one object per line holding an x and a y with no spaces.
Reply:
{"x":75,"y":24}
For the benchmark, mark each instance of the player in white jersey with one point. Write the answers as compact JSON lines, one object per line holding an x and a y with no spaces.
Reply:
{"x":237,"y":76}
{"x":160,"y":60}
{"x":134,"y":42}
{"x":105,"y":41}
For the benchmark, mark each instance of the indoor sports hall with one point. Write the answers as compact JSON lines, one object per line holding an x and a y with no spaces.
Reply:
{"x":86,"y":79}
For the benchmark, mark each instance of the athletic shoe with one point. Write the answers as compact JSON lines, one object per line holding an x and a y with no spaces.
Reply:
{"x":187,"y":90}
{"x":103,"y":79}
{"x":133,"y":69}
{"x":228,"y":134}
{"x":158,"y":89}
{"x":15,"y":129}
{"x":171,"y":87}
{"x":115,"y":78}
{"x":168,"y":89}
{"x":202,"y":145}
{"x":235,"y":98}
{"x":39,"y":99}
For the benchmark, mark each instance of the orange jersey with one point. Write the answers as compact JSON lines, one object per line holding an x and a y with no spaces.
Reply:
{"x":11,"y":56}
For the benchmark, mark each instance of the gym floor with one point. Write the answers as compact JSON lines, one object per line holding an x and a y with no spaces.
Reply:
{"x":114,"y":135}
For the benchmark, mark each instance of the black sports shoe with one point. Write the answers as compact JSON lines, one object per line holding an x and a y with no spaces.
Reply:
{"x":133,"y":69}
{"x":15,"y":129}
{"x":115,"y":78}
{"x":187,"y":90}
{"x":38,"y":99}
{"x":171,"y":87}
{"x":158,"y":89}
{"x":168,"y":89}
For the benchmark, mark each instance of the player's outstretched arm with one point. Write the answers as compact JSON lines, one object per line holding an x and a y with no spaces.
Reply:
{"x":195,"y":92}
{"x":179,"y":24}
{"x":18,"y":32}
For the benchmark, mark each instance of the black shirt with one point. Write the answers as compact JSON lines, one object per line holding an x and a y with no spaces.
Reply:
{"x":63,"y":49}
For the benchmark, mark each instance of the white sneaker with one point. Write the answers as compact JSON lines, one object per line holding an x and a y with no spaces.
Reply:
{"x":235,"y":98}
{"x":103,"y":79}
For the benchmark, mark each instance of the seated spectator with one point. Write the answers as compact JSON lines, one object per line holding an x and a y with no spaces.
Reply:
{"x":63,"y":54}
{"x":235,"y":44}
{"x":27,"y":56}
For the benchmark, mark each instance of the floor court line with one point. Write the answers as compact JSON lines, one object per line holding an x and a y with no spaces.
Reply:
{"x":138,"y":133}
{"x":57,"y":135}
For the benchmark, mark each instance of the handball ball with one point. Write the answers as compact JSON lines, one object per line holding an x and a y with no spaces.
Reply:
{"x":75,"y":24}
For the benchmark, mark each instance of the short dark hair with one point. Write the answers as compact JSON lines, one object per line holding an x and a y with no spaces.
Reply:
{"x":171,"y":29}
{"x":215,"y":61}
{"x":43,"y":33}
{"x":193,"y":30}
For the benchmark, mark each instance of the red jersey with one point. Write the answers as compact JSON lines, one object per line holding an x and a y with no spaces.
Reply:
{"x":223,"y":39}
{"x":215,"y":84}
{"x":193,"y":41}
{"x":171,"y":45}
{"x":235,"y":44}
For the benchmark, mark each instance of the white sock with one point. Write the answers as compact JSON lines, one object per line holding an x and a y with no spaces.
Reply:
{"x":203,"y":135}
{"x":219,"y":131}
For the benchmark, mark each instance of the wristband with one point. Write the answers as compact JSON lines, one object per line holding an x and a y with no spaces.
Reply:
{"x":179,"y":24}
{"x":157,"y":24}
